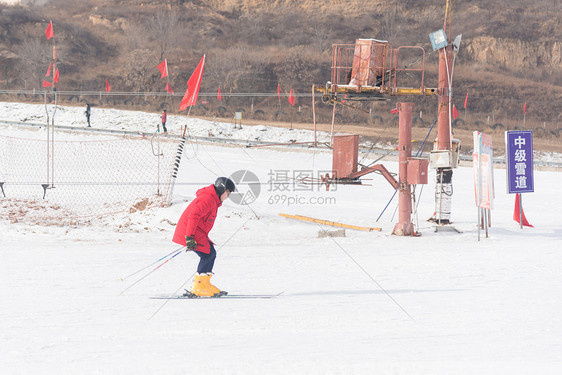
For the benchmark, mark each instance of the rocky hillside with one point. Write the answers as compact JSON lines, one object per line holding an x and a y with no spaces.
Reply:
{"x":510,"y":52}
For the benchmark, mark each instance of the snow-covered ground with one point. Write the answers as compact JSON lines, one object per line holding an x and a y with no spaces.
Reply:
{"x":369,"y":302}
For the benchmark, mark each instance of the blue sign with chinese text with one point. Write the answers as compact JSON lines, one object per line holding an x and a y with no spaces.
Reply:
{"x":519,"y":161}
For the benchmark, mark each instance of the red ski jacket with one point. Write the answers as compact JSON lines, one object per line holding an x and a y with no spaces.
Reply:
{"x":198,"y":219}
{"x":164,"y":117}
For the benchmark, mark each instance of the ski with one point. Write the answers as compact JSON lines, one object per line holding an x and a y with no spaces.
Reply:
{"x":227,"y":296}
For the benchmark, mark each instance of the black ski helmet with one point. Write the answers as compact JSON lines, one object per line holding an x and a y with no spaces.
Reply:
{"x":222,"y":184}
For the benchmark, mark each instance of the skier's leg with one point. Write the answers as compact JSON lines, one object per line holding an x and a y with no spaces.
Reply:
{"x":207,"y":261}
{"x":201,"y":286}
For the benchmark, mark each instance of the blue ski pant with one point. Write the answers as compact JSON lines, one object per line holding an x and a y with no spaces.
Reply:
{"x":207,"y":261}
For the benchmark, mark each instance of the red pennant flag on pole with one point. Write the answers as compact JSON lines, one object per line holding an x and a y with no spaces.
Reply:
{"x":394,"y":111}
{"x":49,"y":32}
{"x":107,"y":87}
{"x":525,"y":108}
{"x":466,"y":100}
{"x":278,"y":91}
{"x":455,"y":112}
{"x":169,"y":88}
{"x":291,"y":98}
{"x":49,"y":70}
{"x":517,"y":213}
{"x":193,"y":85}
{"x":163,"y":68}
{"x":219,"y":94}
{"x":56,"y":76}
{"x":46,"y":83}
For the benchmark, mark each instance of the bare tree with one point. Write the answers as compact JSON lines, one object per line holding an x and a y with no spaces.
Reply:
{"x":163,"y":28}
{"x":140,"y":70}
{"x":34,"y":59}
{"x":391,"y":25}
{"x":224,"y":68}
{"x":136,"y":36}
{"x":321,"y":36}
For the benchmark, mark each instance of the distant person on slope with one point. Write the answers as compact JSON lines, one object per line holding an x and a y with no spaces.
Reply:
{"x":88,"y":112}
{"x":164,"y":119}
{"x":193,"y":230}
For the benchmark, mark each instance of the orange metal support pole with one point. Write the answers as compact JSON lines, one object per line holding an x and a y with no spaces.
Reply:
{"x":444,"y":175}
{"x":314,"y":117}
{"x":404,"y":227}
{"x":443,"y":128}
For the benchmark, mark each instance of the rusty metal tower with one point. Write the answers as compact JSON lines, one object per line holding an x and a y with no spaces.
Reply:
{"x":371,"y":70}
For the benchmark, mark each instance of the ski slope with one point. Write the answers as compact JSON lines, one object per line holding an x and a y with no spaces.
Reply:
{"x":369,"y":302}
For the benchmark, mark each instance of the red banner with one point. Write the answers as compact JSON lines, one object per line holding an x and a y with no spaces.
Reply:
{"x":455,"y":112}
{"x":517,"y":214}
{"x":49,"y":33}
{"x":163,"y":68}
{"x":291,"y":98}
{"x":193,"y":85}
{"x":169,"y":88}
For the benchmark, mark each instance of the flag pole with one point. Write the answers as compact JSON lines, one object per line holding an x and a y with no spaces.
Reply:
{"x":520,"y":211}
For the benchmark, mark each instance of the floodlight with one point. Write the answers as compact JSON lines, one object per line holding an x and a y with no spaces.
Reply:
{"x":438,"y":39}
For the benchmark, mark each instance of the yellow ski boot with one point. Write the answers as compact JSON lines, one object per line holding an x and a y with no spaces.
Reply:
{"x":200,"y":287}
{"x":213,"y":288}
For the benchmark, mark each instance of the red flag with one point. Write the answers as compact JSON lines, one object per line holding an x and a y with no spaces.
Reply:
{"x":525,"y":108}
{"x":278,"y":91}
{"x":455,"y":112}
{"x":169,"y":88}
{"x":219,"y":94}
{"x":394,"y":111}
{"x":49,"y":32}
{"x":466,"y":100}
{"x":516,"y":213}
{"x":193,"y":85}
{"x":56,"y":76}
{"x":163,"y":68}
{"x":49,"y":70}
{"x":291,"y":98}
{"x":107,"y":87}
{"x":46,"y":83}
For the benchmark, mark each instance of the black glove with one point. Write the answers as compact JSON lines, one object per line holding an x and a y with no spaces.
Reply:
{"x":190,"y":243}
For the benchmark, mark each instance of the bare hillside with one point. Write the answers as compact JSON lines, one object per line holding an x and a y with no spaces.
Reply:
{"x":510,"y":53}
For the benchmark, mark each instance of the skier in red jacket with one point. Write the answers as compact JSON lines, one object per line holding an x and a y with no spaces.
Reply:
{"x":193,"y":230}
{"x":164,"y":119}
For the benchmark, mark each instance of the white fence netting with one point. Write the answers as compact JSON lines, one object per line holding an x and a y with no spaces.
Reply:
{"x":80,"y":176}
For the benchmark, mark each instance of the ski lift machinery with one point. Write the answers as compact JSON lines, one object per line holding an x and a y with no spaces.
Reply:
{"x":369,"y":70}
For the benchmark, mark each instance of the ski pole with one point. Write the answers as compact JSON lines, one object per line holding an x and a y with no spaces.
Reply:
{"x":148,"y":274}
{"x":142,"y":269}
{"x":166,"y":301}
